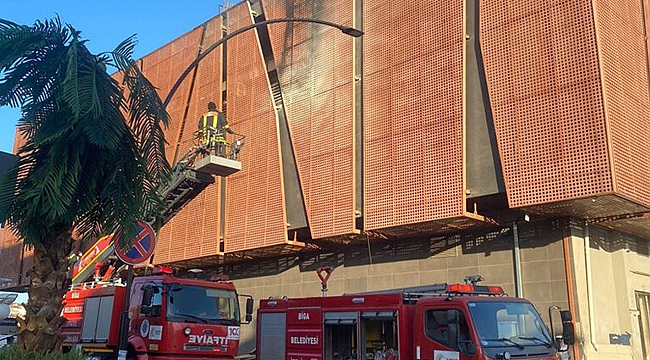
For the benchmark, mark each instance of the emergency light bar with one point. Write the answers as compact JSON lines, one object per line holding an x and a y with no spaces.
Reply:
{"x":474,"y":289}
{"x":165,"y":270}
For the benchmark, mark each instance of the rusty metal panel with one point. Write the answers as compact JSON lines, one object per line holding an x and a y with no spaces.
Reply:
{"x":315,"y":69}
{"x":206,"y":87}
{"x":622,"y":45}
{"x":592,"y":207}
{"x":11,"y":253}
{"x":162,"y":68}
{"x":413,"y":114}
{"x":542,"y":71}
{"x":12,"y":259}
{"x":255,"y":210}
{"x":194,"y":232}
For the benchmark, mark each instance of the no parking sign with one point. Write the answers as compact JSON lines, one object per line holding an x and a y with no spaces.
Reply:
{"x":143,"y":245}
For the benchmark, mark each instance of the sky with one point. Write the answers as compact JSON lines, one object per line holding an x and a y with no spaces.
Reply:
{"x":105,"y":24}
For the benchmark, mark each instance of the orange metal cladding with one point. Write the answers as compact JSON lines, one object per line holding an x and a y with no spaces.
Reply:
{"x":315,"y":69}
{"x":413,"y":113}
{"x":194,"y":232}
{"x":255,"y":210}
{"x":191,"y":233}
{"x":543,"y":79}
{"x":621,"y":40}
{"x":162,"y":68}
{"x":11,"y":247}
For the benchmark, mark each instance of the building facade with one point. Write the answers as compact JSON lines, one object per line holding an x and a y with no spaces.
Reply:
{"x":506,"y":138}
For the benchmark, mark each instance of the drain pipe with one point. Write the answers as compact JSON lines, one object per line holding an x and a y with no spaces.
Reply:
{"x":590,"y":293}
{"x":517,"y":261}
{"x":569,"y":280}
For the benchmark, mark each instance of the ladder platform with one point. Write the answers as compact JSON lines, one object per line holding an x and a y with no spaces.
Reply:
{"x":217,"y":165}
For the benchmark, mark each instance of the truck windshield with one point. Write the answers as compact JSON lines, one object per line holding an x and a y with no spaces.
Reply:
{"x":197,"y":304}
{"x":515,"y":325}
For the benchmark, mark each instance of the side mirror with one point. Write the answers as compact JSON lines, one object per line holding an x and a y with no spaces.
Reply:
{"x":147,"y":295}
{"x":568,"y":330}
{"x":467,"y":347}
{"x":452,"y":329}
{"x":568,"y":333}
{"x":565,"y":315}
{"x":249,"y":309}
{"x":145,"y":310}
{"x":249,"y":306}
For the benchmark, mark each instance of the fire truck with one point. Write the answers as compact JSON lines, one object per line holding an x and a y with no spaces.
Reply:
{"x":169,"y":317}
{"x":437,"y":322}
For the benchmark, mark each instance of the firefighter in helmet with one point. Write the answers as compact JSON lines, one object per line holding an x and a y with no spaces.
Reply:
{"x":212,"y":129}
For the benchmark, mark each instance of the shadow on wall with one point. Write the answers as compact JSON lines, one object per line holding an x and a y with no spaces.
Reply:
{"x":612,"y":241}
{"x":531,"y":235}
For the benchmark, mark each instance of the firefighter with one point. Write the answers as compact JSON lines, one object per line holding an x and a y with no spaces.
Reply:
{"x":212,"y":129}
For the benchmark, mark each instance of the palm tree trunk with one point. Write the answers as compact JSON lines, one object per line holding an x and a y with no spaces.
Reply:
{"x":49,"y":282}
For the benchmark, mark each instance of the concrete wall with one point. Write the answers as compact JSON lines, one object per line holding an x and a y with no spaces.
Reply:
{"x":416,"y":262}
{"x":619,"y":266}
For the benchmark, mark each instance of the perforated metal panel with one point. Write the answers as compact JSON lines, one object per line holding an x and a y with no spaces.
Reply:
{"x":543,"y":79}
{"x":11,"y":246}
{"x":10,"y":252}
{"x":620,"y":27}
{"x":413,"y":114}
{"x":194,"y":232}
{"x":255,"y":211}
{"x":315,"y":69}
{"x":162,"y":68}
{"x":206,"y":87}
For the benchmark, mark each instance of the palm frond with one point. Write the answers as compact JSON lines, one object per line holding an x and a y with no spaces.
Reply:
{"x":85,"y":162}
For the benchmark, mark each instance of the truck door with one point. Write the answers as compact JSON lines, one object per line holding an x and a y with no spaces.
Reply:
{"x":341,"y":336}
{"x":437,"y":340}
{"x":379,"y":335}
{"x":272,"y":328}
{"x":147,"y":322}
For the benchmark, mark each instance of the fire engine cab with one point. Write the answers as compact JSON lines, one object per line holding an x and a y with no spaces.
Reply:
{"x":437,"y":322}
{"x":170,"y":318}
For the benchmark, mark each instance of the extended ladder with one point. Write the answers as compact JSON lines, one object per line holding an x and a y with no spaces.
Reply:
{"x":189,"y":178}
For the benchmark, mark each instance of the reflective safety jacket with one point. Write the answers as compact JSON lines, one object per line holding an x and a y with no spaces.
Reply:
{"x":218,"y":122}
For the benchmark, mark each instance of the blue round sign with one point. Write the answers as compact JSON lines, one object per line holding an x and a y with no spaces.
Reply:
{"x":143,"y":245}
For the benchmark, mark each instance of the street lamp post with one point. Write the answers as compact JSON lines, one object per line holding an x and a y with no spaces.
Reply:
{"x":344,"y":29}
{"x":124,"y":330}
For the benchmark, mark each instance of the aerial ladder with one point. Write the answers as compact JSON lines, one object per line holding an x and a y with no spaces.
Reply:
{"x":194,"y":172}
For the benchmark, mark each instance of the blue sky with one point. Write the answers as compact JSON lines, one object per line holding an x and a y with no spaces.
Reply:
{"x":105,"y":24}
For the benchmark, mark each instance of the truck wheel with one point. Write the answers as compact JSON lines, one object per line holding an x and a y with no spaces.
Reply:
{"x":130,"y":353}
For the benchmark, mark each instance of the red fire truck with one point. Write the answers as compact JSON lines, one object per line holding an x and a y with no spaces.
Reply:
{"x":438,"y":322}
{"x":170,"y":318}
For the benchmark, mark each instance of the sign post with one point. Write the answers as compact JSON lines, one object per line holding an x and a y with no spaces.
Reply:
{"x":143,"y":247}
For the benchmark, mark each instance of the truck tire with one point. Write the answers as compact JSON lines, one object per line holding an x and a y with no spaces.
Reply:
{"x":131,"y":355}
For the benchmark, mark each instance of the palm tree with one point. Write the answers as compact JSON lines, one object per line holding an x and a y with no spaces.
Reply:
{"x":93,"y":157}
